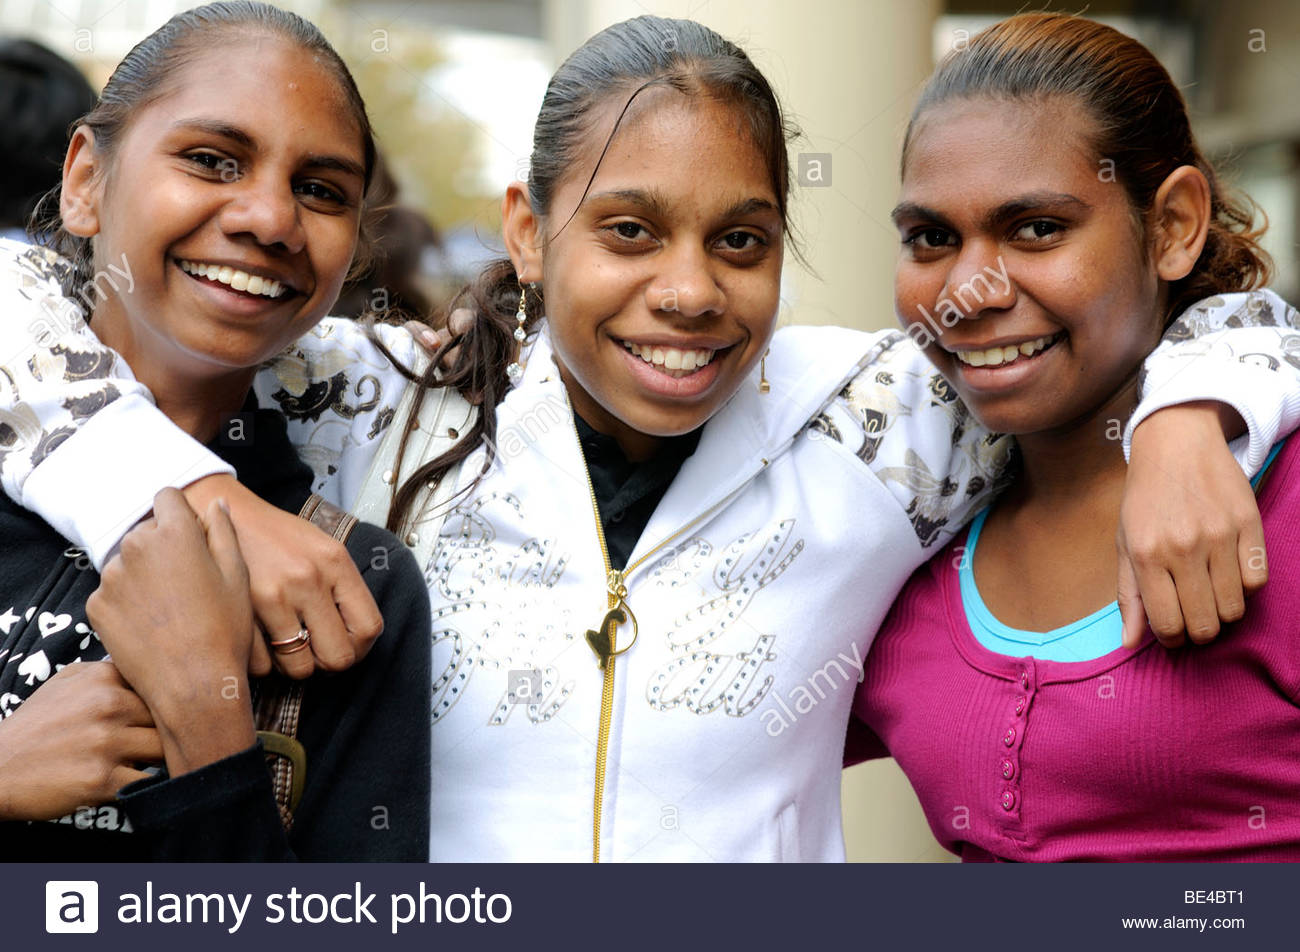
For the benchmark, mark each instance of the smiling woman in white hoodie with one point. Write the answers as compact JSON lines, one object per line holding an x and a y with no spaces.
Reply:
{"x":662,"y":557}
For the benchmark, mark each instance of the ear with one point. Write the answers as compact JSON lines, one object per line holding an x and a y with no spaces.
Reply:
{"x":1181,"y":212}
{"x":523,"y":233}
{"x":79,"y":197}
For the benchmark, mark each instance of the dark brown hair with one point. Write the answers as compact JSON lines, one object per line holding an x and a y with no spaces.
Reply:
{"x":40,"y":94}
{"x":143,"y":77}
{"x":1139,"y":123}
{"x":622,"y":61}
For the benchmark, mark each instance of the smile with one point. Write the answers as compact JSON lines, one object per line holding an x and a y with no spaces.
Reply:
{"x":234,"y":278}
{"x":1000,"y":356}
{"x":671,"y":360}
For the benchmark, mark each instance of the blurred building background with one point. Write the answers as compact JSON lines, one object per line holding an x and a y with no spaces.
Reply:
{"x":453,"y":88}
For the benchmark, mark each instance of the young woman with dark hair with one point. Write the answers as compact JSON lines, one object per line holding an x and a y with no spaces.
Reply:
{"x":231,"y":141}
{"x":1000,"y":680}
{"x":660,"y":542}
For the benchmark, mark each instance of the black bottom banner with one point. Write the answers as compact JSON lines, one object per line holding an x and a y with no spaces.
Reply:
{"x":194,"y":908}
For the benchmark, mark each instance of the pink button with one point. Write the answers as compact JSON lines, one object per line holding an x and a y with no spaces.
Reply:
{"x":1024,"y":679}
{"x":1020,"y":705}
{"x":1009,"y":737}
{"x":1008,"y":769}
{"x":1008,"y":800}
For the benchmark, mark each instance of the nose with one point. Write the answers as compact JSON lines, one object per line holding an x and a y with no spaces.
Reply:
{"x":266,"y":209}
{"x":686,"y":284}
{"x":979,"y":280}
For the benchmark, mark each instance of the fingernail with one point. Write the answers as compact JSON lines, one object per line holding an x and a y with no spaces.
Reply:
{"x":429,"y":337}
{"x":221,"y":504}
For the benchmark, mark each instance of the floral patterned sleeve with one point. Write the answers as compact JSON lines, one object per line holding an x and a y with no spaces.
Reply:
{"x":1240,"y":349}
{"x":83,"y":445}
{"x":906,"y":422}
{"x":340,"y":395}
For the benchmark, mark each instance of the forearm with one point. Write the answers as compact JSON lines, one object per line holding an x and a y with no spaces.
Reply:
{"x":198,"y":728}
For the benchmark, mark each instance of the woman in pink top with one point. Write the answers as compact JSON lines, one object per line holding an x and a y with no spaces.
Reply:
{"x":1059,"y":149}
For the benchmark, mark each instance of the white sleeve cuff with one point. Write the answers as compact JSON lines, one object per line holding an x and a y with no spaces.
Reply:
{"x":94,"y":504}
{"x":1262,"y":399}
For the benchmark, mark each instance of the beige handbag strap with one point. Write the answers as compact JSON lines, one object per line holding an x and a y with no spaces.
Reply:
{"x":277,"y":700}
{"x":444,"y":416}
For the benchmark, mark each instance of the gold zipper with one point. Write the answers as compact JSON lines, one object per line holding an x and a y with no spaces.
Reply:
{"x":604,"y":640}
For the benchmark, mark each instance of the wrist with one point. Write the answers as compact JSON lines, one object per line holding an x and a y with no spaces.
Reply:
{"x":200,"y":493}
{"x":201,"y":734}
{"x":1183,"y":419}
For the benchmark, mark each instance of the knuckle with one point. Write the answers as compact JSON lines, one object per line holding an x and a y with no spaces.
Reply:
{"x":1232,"y":610}
{"x":303,"y":573}
{"x":1170,"y":639}
{"x":1220,"y":536}
{"x":94,"y":606}
{"x":1166,"y":627}
{"x":1202,"y":630}
{"x":113,"y":570}
{"x":336,"y":555}
{"x":1145,"y":555}
{"x":297,"y":670}
{"x":263,"y":592}
{"x":338,"y":660}
{"x":134,"y":543}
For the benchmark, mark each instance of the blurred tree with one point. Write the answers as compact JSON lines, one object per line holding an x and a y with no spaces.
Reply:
{"x":432,"y":149}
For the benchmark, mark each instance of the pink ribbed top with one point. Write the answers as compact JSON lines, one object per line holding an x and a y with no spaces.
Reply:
{"x":1141,"y":754}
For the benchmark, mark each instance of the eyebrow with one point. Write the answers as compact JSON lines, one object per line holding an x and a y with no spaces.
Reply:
{"x":749,"y":206}
{"x":337,"y":163}
{"x":237,"y":135}
{"x":656,"y":203}
{"x":1032,"y":201}
{"x":653,"y":201}
{"x":217,"y":128}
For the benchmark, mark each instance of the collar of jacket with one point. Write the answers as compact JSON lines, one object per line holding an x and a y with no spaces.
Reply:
{"x":807,"y":367}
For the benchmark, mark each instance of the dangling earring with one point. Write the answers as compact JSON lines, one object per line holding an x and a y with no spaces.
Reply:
{"x":516,"y":368}
{"x":763,"y":385}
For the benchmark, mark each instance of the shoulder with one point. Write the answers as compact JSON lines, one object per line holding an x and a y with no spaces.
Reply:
{"x":31,"y":280}
{"x":794,"y":346}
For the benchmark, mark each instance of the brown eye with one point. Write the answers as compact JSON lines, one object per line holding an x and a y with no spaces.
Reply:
{"x":321,"y":192}
{"x":741,"y":240}
{"x":928,"y":239}
{"x":213,"y":162}
{"x":1038,"y":230}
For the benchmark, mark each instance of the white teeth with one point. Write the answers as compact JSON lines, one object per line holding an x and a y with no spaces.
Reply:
{"x":997,"y":356}
{"x":236,"y":279}
{"x":671,"y":360}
